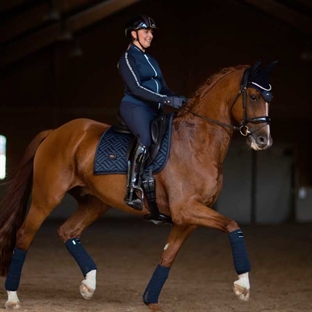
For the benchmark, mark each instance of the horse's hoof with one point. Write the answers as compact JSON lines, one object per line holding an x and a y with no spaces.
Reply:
{"x":12,"y":305}
{"x":86,"y":291}
{"x":155,"y":307}
{"x":242,"y":293}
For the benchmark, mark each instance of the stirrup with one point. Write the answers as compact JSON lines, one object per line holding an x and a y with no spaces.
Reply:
{"x":161,"y":219}
{"x":132,"y":199}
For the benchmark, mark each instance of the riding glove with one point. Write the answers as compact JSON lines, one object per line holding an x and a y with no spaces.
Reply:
{"x":184,"y":99}
{"x":174,"y":101}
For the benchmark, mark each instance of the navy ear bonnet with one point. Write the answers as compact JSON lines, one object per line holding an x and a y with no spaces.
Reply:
{"x":257,"y":78}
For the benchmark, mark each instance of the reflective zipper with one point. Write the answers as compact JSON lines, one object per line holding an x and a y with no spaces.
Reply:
{"x":151,"y":65}
{"x":157,"y":85}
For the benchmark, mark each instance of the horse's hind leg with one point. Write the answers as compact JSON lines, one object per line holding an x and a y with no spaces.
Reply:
{"x":43,"y":202}
{"x":89,"y":209}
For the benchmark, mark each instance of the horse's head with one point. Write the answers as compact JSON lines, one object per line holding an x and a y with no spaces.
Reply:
{"x":256,"y":95}
{"x":247,"y":111}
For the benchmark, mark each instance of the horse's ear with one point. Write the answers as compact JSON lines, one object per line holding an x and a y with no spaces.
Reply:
{"x":268,"y":69}
{"x":255,"y":67}
{"x":257,"y":64}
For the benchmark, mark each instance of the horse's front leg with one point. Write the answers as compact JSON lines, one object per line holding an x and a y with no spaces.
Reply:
{"x":201,"y":215}
{"x":177,"y":237}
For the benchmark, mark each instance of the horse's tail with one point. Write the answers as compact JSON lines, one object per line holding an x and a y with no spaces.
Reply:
{"x":14,"y":204}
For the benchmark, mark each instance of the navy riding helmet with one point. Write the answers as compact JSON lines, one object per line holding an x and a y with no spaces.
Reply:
{"x":138,"y":22}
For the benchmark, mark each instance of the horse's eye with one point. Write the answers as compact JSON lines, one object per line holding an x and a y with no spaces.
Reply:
{"x":253,"y":97}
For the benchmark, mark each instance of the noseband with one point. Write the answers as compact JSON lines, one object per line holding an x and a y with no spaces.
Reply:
{"x":243,"y":128}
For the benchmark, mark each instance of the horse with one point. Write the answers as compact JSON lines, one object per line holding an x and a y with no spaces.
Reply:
{"x":61,"y":161}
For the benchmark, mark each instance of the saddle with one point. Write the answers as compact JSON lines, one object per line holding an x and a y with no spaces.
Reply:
{"x":159,"y":127}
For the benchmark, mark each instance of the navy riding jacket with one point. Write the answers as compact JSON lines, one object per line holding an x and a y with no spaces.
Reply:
{"x":143,"y":79}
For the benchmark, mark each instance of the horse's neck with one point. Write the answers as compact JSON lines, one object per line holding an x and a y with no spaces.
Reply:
{"x":202,"y":134}
{"x":207,"y":142}
{"x":217,"y":105}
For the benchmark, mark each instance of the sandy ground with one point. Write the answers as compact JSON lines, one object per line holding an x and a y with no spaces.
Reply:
{"x":127,"y":251}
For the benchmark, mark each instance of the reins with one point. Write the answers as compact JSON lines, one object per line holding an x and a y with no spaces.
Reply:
{"x":216,"y":121}
{"x":243,"y":128}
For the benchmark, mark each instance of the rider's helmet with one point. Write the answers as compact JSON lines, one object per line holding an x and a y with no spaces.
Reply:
{"x":138,"y":22}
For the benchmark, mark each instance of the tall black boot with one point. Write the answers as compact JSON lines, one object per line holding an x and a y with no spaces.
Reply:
{"x":134,"y":196}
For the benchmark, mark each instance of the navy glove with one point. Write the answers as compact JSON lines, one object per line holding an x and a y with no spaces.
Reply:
{"x":184,"y":99}
{"x":174,"y":101}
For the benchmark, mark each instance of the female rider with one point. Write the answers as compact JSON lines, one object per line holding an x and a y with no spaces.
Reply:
{"x":145,"y":92}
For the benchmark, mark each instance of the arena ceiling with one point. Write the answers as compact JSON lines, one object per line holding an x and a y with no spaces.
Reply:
{"x":27,"y":26}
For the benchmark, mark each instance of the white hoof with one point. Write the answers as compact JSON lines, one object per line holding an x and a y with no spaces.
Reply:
{"x":88,"y":285}
{"x":241,"y":292}
{"x":241,"y":287}
{"x":13,"y":302}
{"x":86,"y":291}
{"x":12,"y":305}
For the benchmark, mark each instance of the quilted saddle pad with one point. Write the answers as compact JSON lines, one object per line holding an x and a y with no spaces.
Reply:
{"x":111,"y":152}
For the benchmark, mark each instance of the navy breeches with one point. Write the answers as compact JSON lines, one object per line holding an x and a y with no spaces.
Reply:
{"x":138,"y":119}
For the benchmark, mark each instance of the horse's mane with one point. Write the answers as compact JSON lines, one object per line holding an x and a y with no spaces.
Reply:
{"x":212,"y":81}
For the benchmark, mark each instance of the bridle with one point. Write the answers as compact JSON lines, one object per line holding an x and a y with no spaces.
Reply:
{"x":243,"y":128}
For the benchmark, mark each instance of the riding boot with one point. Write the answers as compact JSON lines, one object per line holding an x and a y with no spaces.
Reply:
{"x":134,"y":196}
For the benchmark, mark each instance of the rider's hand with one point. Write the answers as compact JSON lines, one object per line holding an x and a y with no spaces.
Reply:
{"x":184,"y":99}
{"x":174,"y":101}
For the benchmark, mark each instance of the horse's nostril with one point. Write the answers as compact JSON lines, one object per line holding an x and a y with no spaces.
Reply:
{"x":261,"y":140}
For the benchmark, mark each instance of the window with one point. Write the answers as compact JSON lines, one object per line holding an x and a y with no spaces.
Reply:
{"x":2,"y":156}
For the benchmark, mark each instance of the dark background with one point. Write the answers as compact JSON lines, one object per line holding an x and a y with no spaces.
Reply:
{"x":58,"y":61}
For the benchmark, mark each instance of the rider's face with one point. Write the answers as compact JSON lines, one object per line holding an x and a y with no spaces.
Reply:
{"x":145,"y":37}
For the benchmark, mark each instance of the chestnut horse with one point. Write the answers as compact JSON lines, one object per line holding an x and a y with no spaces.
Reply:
{"x":61,"y":161}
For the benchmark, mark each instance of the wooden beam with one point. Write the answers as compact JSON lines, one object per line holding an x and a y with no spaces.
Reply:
{"x":96,"y":13}
{"x":68,"y":5}
{"x":38,"y":16}
{"x":20,"y":24}
{"x":50,"y":34}
{"x":26,"y":45}
{"x":284,"y":13}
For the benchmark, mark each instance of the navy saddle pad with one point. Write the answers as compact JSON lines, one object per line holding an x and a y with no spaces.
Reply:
{"x":111,"y":152}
